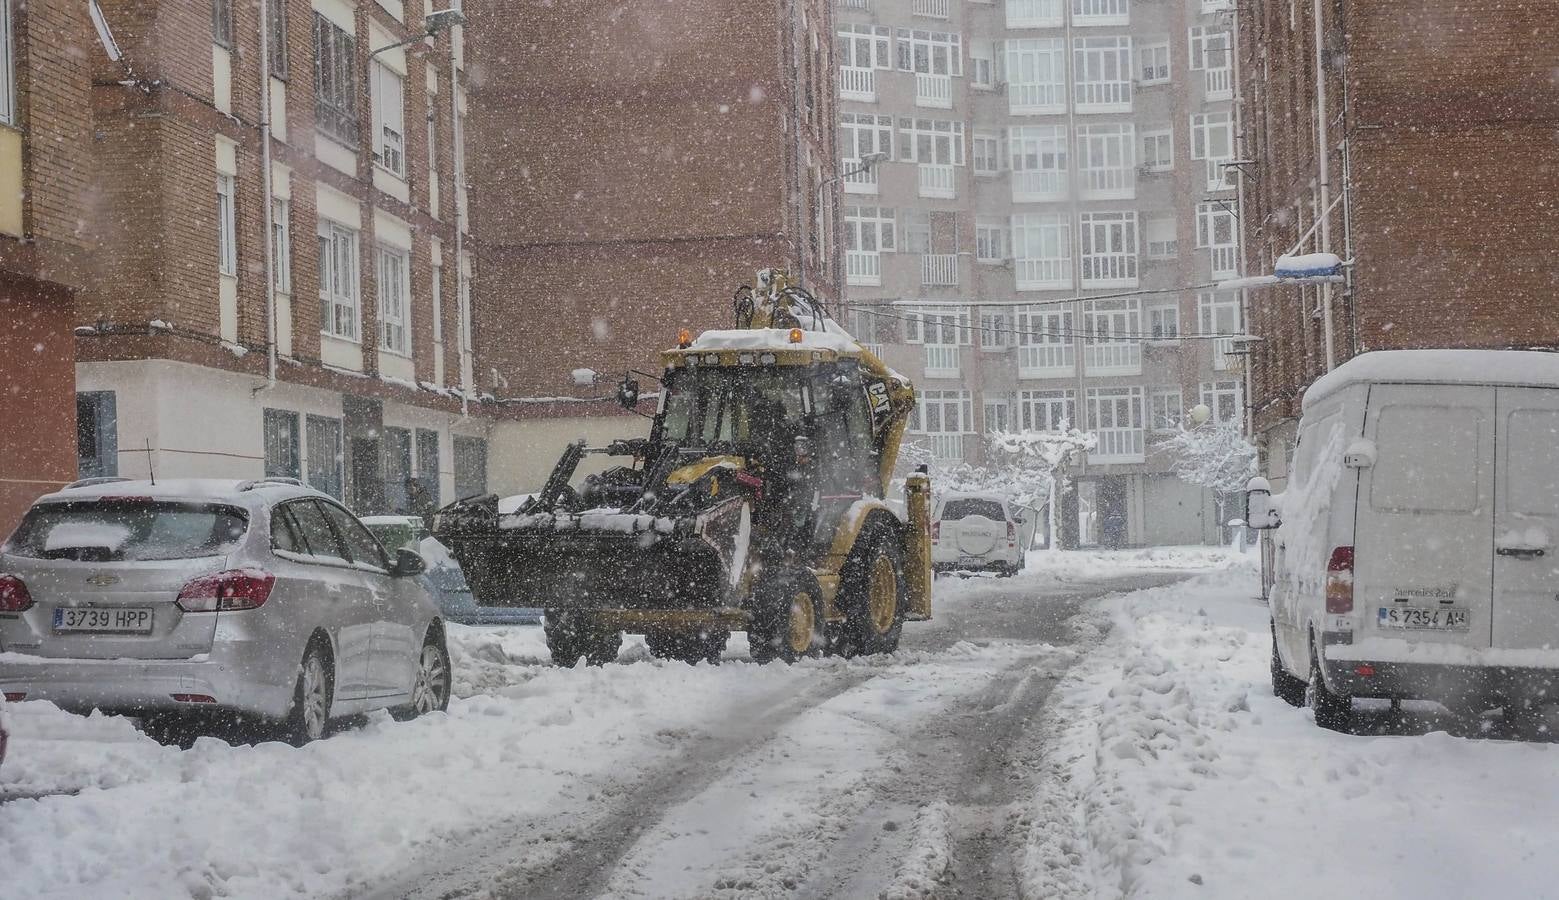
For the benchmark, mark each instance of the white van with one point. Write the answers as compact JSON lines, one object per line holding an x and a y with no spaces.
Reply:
{"x":1416,"y":547}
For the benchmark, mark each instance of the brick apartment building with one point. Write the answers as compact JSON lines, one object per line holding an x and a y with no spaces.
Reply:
{"x":1440,"y":176}
{"x":370,"y":381}
{"x":45,"y":140}
{"x":632,"y":163}
{"x":1042,"y":153}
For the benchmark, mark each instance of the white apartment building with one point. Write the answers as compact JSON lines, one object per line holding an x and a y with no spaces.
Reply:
{"x":1040,"y":245}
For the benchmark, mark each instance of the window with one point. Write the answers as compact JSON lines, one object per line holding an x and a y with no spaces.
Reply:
{"x":314,"y":530}
{"x":861,"y":134}
{"x":1106,"y":161}
{"x":470,"y":466}
{"x":996,"y":416}
{"x":97,"y":434}
{"x":930,"y":52}
{"x":1108,"y":243}
{"x":360,"y":543}
{"x":1115,"y":415}
{"x":463,"y":305}
{"x":338,"y":280}
{"x":1037,"y":154}
{"x":438,"y":300}
{"x":982,"y":65}
{"x":1101,"y":69}
{"x":865,"y":46}
{"x":1153,"y":63}
{"x":868,"y":229}
{"x":281,"y":244}
{"x":227,"y":227}
{"x":1042,"y":251}
{"x":1101,"y":12}
{"x":432,"y":144}
{"x":944,"y":412}
{"x":1048,"y":410}
{"x":322,"y":442}
{"x":1164,"y":321}
{"x":397,"y":469}
{"x":394,"y":301}
{"x":335,"y":81}
{"x":987,"y":154}
{"x":1209,"y":47}
{"x":996,"y":331}
{"x":221,"y":23}
{"x":277,"y":12}
{"x":1046,"y":342}
{"x":427,"y":464}
{"x":283,"y":458}
{"x":990,"y":241}
{"x":1215,"y":231}
{"x":1161,"y":239}
{"x":7,"y":67}
{"x":389,"y":99}
{"x":1158,"y":150}
{"x":1212,"y":139}
{"x":916,"y":228}
{"x":1036,"y":76}
{"x":1219,"y":314}
{"x":1164,"y":406}
{"x":1224,"y":399}
{"x":934,"y":141}
{"x":1034,"y":13}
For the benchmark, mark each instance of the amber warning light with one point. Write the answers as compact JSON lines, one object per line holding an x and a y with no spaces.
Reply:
{"x":684,"y":339}
{"x":795,"y":335}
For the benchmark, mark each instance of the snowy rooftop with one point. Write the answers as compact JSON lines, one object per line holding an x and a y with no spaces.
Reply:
{"x":1523,"y":367}
{"x":774,"y":339}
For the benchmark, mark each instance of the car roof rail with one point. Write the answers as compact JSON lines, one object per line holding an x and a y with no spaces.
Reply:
{"x":253,"y":483}
{"x":89,"y":482}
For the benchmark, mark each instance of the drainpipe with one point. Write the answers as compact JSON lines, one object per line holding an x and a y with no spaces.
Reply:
{"x":795,"y":139}
{"x":464,"y":308}
{"x":1323,"y":166}
{"x":265,"y":187}
{"x":1247,"y":419}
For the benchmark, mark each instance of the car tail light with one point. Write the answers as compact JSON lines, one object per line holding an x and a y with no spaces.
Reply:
{"x":1012,"y":531}
{"x":13,"y":594}
{"x":1339,"y":581}
{"x":936,"y":531}
{"x":15,"y":696}
{"x":1364,"y":669}
{"x":225,"y":591}
{"x":193,"y":698}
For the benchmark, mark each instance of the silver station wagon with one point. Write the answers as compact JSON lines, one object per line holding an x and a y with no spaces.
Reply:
{"x":188,"y":601}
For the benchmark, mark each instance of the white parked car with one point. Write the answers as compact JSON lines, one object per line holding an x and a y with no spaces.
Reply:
{"x":980,"y":532}
{"x":1416,"y":550}
{"x":192,"y":601}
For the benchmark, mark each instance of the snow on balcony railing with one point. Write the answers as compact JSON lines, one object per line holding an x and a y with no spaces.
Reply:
{"x":1046,"y":360}
{"x":857,"y":83}
{"x":1220,"y":84}
{"x":1101,"y":12}
{"x":934,"y":91}
{"x":1117,"y":445}
{"x":936,"y":9}
{"x":1110,"y":270}
{"x":1034,"y":14}
{"x":1042,"y":274}
{"x":855,"y":4}
{"x":1102,"y":96}
{"x":1109,"y":184}
{"x":1225,"y":261}
{"x":942,"y":361}
{"x":1113,"y":357}
{"x":1038,"y":186}
{"x":858,"y":180}
{"x":936,"y":181}
{"x":863,"y":267}
{"x":939,"y":269}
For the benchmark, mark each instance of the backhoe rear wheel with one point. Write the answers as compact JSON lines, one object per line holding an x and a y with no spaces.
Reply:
{"x":872,"y":592}
{"x":571,"y":635}
{"x":787,"y":619}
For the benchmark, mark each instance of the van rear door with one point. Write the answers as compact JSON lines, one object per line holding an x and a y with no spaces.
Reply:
{"x":1423,"y":560}
{"x":1526,"y":519}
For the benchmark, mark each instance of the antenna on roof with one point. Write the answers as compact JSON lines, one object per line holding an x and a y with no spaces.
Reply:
{"x":149,"y":466}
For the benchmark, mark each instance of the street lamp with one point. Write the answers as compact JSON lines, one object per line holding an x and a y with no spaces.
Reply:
{"x":433,"y":24}
{"x":868,"y":162}
{"x":1200,"y":414}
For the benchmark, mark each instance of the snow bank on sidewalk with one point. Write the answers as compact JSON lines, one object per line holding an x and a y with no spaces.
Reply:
{"x":1176,"y":773}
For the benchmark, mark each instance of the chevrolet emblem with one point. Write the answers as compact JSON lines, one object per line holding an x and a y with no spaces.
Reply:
{"x":103,"y":580}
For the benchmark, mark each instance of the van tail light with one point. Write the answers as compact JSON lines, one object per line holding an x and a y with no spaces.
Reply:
{"x":1012,"y":531}
{"x":14,"y":596}
{"x":936,"y":531}
{"x":226,"y":591}
{"x":15,"y":696}
{"x":1339,"y":581}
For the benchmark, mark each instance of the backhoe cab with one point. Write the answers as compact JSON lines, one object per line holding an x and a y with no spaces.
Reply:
{"x":755,"y":503}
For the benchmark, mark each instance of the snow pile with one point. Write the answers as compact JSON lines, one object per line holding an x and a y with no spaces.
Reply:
{"x":1305,"y":508}
{"x":1307,"y":265}
{"x":1175,"y":772}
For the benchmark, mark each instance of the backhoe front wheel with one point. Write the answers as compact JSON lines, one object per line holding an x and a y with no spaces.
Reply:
{"x":872,"y":592}
{"x":571,"y":635}
{"x":787,"y":619}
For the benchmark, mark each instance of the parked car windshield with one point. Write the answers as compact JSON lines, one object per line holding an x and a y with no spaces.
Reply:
{"x":111,"y":530}
{"x":970,"y":506}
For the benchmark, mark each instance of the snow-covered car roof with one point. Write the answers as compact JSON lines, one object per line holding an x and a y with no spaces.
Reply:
{"x":1510,"y":367}
{"x":239,"y":492}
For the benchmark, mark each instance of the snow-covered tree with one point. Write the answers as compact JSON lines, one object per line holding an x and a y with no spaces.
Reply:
{"x":1213,"y":455}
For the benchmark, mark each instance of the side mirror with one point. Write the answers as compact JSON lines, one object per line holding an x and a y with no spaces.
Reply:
{"x":1261,"y":513}
{"x":628,"y":393}
{"x":409,"y":563}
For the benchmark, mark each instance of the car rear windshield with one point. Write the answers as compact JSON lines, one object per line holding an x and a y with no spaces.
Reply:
{"x":121,"y":529}
{"x":963,"y":508}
